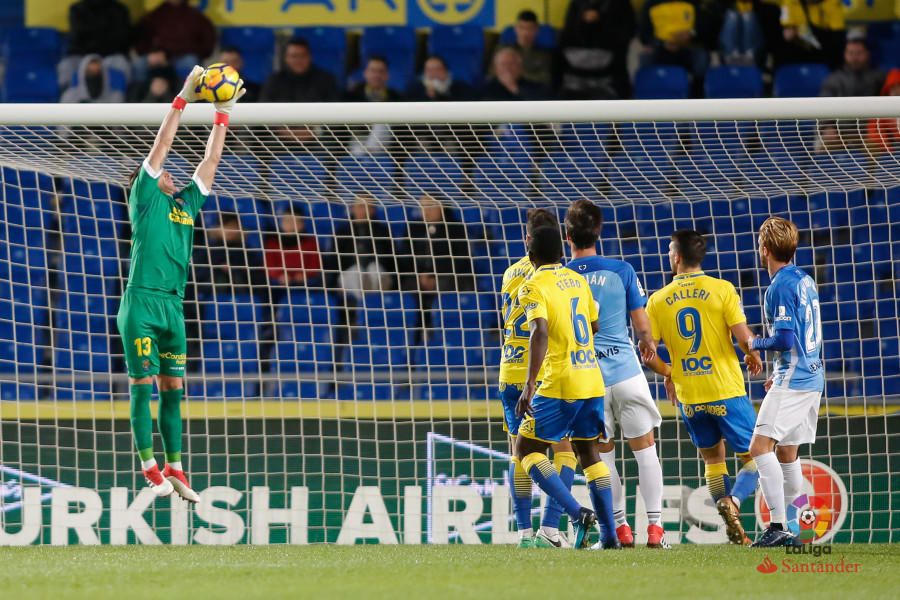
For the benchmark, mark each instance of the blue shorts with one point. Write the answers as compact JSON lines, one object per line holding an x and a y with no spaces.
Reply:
{"x":509,"y":396}
{"x":553,"y":419}
{"x":732,"y":419}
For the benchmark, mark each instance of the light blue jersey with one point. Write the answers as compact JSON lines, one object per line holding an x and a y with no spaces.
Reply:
{"x":792,"y":302}
{"x":616,"y":288}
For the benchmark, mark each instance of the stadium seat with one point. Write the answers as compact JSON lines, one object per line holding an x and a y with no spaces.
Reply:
{"x":503,"y":178}
{"x":30,"y":83}
{"x":373,"y":174}
{"x":306,"y":353}
{"x":462,"y":48}
{"x":571,"y":175}
{"x":799,"y":81}
{"x":397,"y":45}
{"x":661,"y":82}
{"x":329,"y":49}
{"x":430,"y":173}
{"x":546,"y":37}
{"x":257,"y":46}
{"x":733,"y":82}
{"x":303,"y":174}
{"x":35,"y":46}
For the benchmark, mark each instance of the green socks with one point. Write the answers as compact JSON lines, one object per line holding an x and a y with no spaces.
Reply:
{"x":141,"y":422}
{"x":169,"y":421}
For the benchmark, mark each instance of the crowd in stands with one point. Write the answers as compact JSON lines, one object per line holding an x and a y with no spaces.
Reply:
{"x":594,"y":56}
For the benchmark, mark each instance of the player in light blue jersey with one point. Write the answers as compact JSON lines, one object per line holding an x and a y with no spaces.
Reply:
{"x":616,"y":288}
{"x":790,"y":410}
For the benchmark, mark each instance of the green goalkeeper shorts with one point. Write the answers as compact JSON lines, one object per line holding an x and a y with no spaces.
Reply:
{"x":152,"y":330}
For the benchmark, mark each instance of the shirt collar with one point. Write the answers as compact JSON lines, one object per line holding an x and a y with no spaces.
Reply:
{"x":549,"y":267}
{"x":688,"y":275}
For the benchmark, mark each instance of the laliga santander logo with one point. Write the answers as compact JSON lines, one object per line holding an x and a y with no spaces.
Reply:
{"x":821,"y":508}
{"x":451,"y":12}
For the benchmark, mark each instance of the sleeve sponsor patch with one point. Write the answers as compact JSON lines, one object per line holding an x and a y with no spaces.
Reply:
{"x":782,"y":316}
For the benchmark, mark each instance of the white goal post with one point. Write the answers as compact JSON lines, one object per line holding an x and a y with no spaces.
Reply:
{"x":330,"y":400}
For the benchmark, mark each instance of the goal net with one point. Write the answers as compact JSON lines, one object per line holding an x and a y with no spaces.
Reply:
{"x":342,"y":307}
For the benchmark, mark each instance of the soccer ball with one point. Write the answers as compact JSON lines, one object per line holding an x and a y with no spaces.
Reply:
{"x":808,"y":517}
{"x":218,"y":83}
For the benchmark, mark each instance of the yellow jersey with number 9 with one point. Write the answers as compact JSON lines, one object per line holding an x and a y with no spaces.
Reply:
{"x":693,"y":316}
{"x":563,"y":298}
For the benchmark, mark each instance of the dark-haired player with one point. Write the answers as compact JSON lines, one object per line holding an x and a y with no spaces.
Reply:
{"x":513,"y":373}
{"x":562,"y":318}
{"x":790,"y":411}
{"x":628,"y":402}
{"x":151,"y":317}
{"x":696,"y":316}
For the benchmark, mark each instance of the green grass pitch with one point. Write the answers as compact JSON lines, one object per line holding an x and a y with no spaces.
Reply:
{"x":457,"y":572}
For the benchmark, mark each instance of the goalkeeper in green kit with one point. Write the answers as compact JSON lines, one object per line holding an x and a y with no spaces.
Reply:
{"x":151,"y":317}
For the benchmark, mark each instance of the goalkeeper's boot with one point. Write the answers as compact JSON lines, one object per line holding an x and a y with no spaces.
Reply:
{"x":181,"y":485}
{"x":582,"y":527}
{"x":159,"y":484}
{"x":731,"y":514}
{"x":626,"y":537}
{"x":656,"y":537}
{"x":774,"y":538}
{"x":544,"y":540}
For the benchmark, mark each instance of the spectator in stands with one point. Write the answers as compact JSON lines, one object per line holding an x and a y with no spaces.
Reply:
{"x":159,"y":89}
{"x":157,"y":67}
{"x":437,"y":84}
{"x":364,"y":255}
{"x":182,"y":31}
{"x":857,"y":77}
{"x":231,"y":56}
{"x":223,"y":264}
{"x":593,"y":49}
{"x":299,"y":80}
{"x":441,"y":260}
{"x":508,"y":82}
{"x":93,"y":83}
{"x":97,"y":27}
{"x":291,"y":255}
{"x":884,"y":134}
{"x":537,"y":63}
{"x":741,"y":39}
{"x":669,"y":30}
{"x":373,"y":88}
{"x":817,"y":24}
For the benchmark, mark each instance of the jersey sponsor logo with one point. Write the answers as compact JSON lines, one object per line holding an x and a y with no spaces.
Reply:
{"x":608,"y":352}
{"x":782,"y":315}
{"x":640,"y":287}
{"x":697,"y":365}
{"x":583,"y":358}
{"x":178,"y":358}
{"x":513,"y":354}
{"x":180,"y":217}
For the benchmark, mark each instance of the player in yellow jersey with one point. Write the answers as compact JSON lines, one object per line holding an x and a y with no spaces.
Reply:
{"x":696,"y":316}
{"x":562,"y":318}
{"x":513,"y":373}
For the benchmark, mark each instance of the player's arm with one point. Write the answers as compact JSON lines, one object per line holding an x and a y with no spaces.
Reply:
{"x":744,"y":337}
{"x":532,"y":301}
{"x":640,"y":322}
{"x":166,"y":134}
{"x":206,"y":171}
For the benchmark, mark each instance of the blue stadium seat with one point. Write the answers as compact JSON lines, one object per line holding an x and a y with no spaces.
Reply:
{"x":503,"y":178}
{"x":30,"y":83}
{"x":397,"y":310}
{"x":230,"y":360}
{"x":329,"y":49}
{"x":462,"y":48}
{"x":661,"y":82}
{"x":733,"y":82}
{"x":257,"y":46}
{"x":304,"y":390}
{"x":304,"y":306}
{"x":231,"y":318}
{"x":379,"y":348}
{"x":397,"y":45}
{"x":373,"y":174}
{"x":546,"y":37}
{"x":799,"y":81}
{"x":366,"y":391}
{"x":33,"y":45}
{"x":430,"y":173}
{"x":311,"y":351}
{"x":303,"y":174}
{"x":567,"y":176}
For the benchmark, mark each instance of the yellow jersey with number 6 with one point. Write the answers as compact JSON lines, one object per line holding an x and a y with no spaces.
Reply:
{"x":563,"y":298}
{"x":693,"y":316}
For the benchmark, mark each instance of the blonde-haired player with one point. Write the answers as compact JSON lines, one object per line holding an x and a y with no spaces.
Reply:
{"x":790,"y":410}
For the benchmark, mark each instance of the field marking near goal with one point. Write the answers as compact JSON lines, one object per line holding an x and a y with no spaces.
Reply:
{"x":321,"y":409}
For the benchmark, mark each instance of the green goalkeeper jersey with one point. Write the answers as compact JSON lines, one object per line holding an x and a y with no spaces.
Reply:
{"x":162,"y":234}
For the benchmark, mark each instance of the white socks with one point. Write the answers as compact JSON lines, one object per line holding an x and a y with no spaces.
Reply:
{"x":552,"y":533}
{"x":793,"y":480}
{"x":176,"y":465}
{"x":650,"y":478}
{"x":526,"y":534}
{"x":148,"y":464}
{"x":772,"y":482}
{"x":609,"y":459}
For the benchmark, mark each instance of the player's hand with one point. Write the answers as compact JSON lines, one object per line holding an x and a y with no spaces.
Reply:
{"x":225,"y":107}
{"x":768,"y":384}
{"x":754,"y":363}
{"x":523,"y":407}
{"x":670,"y":390}
{"x":189,"y":91}
{"x":648,"y":351}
